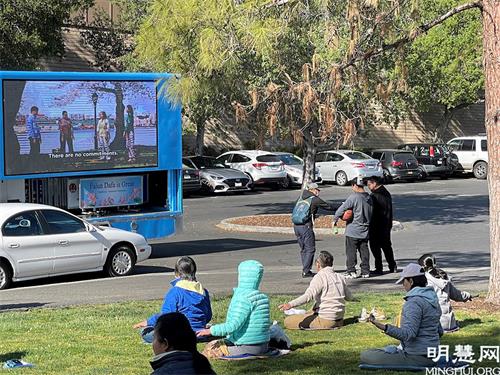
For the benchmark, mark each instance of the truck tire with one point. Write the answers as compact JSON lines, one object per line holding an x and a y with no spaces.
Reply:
{"x":481,"y":170}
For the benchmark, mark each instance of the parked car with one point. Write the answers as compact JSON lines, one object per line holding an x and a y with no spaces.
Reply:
{"x":261,"y":166}
{"x":294,"y":167}
{"x":342,"y":166}
{"x":190,"y":179}
{"x":216,"y":178}
{"x":397,"y":164}
{"x":434,"y":159}
{"x":472,"y":154}
{"x":42,"y":241}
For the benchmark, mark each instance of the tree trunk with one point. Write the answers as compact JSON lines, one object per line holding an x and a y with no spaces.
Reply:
{"x":200,"y":137}
{"x":309,"y":157}
{"x":119,"y":141}
{"x":491,"y":36}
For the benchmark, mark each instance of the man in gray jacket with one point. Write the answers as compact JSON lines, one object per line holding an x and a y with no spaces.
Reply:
{"x":356,"y":233}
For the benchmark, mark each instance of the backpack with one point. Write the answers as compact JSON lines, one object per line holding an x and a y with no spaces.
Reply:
{"x":302,"y":211}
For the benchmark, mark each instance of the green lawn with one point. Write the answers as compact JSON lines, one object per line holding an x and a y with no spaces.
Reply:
{"x":100,"y":340}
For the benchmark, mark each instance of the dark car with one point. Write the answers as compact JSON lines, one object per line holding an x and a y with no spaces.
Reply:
{"x":190,"y":179}
{"x":434,"y":159}
{"x":397,"y":164}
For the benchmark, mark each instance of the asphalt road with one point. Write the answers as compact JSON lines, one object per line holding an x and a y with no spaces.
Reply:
{"x":448,"y":218}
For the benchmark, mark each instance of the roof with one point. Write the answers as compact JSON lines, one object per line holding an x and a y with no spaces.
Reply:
{"x":9,"y":209}
{"x":343,"y":151}
{"x":391,"y":150}
{"x":469,"y":137}
{"x":251,"y":152}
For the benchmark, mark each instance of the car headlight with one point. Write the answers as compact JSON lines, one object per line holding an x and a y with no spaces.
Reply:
{"x":217,"y":178}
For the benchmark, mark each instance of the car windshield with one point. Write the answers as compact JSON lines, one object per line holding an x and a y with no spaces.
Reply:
{"x":268,"y":159}
{"x":289,"y":159}
{"x":355,"y":155}
{"x":404,"y":156}
{"x":205,"y":163}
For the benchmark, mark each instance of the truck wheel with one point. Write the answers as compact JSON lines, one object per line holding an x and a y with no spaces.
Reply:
{"x":121,"y":261}
{"x":481,"y":170}
{"x":5,"y":275}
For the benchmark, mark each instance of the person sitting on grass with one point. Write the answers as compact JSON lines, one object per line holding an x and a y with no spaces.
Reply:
{"x":329,"y":291}
{"x":445,"y":290}
{"x":247,"y":322}
{"x":420,"y":328}
{"x":186,"y":296}
{"x":174,"y":346}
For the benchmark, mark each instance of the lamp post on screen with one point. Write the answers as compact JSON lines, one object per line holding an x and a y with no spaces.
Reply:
{"x":94,"y":100}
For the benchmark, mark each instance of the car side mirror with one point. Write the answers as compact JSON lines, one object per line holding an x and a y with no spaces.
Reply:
{"x":90,"y":227}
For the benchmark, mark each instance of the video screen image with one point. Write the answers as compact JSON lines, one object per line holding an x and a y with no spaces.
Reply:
{"x":67,"y":126}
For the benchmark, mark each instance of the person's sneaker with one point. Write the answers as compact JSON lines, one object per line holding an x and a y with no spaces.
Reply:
{"x":350,"y":275}
{"x":307,"y":274}
{"x":364,"y":316}
{"x":365,"y":275}
{"x":393,"y":269}
{"x":377,"y":273}
{"x":378,"y":313}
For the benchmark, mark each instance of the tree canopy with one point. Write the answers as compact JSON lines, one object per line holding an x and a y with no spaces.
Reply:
{"x":32,"y":29}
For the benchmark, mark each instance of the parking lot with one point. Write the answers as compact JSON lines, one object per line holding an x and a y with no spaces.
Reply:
{"x":446,"y":217}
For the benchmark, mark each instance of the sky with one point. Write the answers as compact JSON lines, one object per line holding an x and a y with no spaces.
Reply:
{"x":52,"y":97}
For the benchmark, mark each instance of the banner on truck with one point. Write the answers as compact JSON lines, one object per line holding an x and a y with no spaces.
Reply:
{"x":111,"y":192}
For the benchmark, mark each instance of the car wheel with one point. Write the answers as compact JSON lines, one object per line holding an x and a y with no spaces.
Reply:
{"x":287,"y":182}
{"x":206,"y":187}
{"x":421,"y":173}
{"x":5,"y":275}
{"x":341,"y":178}
{"x":121,"y":261}
{"x":387,"y":177}
{"x":443,"y":177}
{"x":252,"y":185}
{"x":481,"y":170}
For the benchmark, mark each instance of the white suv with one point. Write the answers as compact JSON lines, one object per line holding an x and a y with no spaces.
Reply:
{"x":263,"y":167}
{"x":472,"y":153}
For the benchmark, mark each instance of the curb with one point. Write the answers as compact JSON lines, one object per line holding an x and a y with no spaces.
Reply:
{"x":227,"y":225}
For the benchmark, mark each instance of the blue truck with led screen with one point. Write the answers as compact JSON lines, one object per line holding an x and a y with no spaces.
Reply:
{"x":61,"y":130}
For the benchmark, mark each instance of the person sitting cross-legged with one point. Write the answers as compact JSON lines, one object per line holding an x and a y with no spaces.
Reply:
{"x":419,"y":329}
{"x":186,"y":296}
{"x":329,"y":291}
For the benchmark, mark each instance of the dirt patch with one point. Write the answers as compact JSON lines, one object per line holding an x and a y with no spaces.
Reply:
{"x":477,"y":304}
{"x":280,"y":221}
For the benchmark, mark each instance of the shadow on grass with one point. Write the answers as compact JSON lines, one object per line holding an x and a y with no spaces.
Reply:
{"x":308,"y":344}
{"x":468,"y":322}
{"x":12,"y":355}
{"x":21,"y":306}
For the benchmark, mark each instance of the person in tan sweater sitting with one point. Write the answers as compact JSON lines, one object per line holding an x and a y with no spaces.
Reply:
{"x":329,"y":291}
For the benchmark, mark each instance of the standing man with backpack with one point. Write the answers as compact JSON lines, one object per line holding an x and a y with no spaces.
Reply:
{"x":303,"y":216}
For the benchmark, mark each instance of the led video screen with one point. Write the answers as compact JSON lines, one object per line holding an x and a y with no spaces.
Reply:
{"x":68,"y":126}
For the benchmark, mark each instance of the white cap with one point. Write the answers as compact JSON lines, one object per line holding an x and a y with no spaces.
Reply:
{"x":411,"y":270}
{"x":312,"y":185}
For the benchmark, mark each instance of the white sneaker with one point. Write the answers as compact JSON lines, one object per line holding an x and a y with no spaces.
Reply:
{"x":364,"y":316}
{"x":350,"y":275}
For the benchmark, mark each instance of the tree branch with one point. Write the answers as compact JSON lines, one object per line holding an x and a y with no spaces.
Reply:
{"x":422,"y":29}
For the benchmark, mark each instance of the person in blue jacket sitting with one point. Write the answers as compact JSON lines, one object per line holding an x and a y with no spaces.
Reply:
{"x":186,"y":296}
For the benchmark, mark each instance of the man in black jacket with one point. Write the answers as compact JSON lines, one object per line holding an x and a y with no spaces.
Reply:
{"x":305,"y":232}
{"x":381,"y":226}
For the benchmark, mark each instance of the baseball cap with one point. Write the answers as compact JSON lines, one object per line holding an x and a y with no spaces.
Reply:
{"x":411,"y":270}
{"x":312,"y":185}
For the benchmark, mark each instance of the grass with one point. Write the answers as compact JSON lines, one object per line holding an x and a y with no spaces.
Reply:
{"x":99,"y":339}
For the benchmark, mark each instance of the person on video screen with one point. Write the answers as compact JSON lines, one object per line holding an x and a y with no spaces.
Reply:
{"x":66,"y":133}
{"x":103,"y":135}
{"x":33,"y":130}
{"x":128,"y":133}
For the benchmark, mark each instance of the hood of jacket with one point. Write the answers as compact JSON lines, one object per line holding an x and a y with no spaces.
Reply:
{"x":192,"y":286}
{"x":382,"y":191}
{"x":250,"y":274}
{"x":439,"y":282}
{"x":427,"y":293}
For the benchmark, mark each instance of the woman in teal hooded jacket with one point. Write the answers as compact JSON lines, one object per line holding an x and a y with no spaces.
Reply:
{"x":247,"y":322}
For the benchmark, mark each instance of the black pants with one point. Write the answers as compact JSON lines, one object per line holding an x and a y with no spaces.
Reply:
{"x":34,"y":146}
{"x":66,"y":140}
{"x":307,"y":243}
{"x":380,"y":240}
{"x":352,"y":246}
